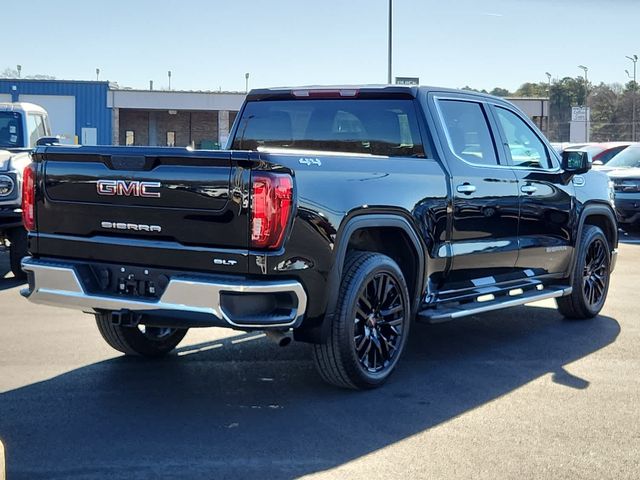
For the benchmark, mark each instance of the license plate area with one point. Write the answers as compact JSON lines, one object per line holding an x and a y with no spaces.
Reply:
{"x":126,"y":281}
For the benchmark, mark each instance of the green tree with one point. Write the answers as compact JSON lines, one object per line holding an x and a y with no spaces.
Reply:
{"x":500,"y":92}
{"x":536,"y":90}
{"x":565,"y":93}
{"x":606,"y":123}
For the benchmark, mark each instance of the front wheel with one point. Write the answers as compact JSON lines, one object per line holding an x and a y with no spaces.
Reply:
{"x":141,"y":340}
{"x":590,"y":276}
{"x":370,"y":326}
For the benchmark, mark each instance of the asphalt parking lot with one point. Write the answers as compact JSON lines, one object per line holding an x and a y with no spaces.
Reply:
{"x":520,"y":393}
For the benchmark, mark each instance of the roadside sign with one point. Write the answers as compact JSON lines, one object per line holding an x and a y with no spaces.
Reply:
{"x":407,"y":81}
{"x":580,"y":114}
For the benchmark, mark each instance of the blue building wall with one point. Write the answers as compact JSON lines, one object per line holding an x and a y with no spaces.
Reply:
{"x":91,"y":101}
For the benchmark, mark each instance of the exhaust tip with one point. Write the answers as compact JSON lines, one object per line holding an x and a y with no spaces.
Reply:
{"x":279,"y":337}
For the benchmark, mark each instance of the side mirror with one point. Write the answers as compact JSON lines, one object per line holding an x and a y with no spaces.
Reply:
{"x":44,"y":141}
{"x":576,"y":162}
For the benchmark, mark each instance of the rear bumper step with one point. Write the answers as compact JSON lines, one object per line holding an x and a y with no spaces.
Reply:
{"x":445,"y":313}
{"x":237,"y":304}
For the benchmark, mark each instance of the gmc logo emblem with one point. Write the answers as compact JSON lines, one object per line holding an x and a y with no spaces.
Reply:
{"x":124,"y":188}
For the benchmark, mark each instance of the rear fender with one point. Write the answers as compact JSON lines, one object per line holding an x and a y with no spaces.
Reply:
{"x":342,"y":242}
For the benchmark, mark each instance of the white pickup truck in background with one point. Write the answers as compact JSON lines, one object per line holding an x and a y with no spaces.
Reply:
{"x":22,"y":127}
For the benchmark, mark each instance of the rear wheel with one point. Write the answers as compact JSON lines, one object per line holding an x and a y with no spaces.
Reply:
{"x":590,"y":276}
{"x":17,"y":251}
{"x":370,"y":326}
{"x":141,"y":340}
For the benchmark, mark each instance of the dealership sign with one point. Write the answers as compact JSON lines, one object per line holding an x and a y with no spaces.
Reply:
{"x":407,"y":81}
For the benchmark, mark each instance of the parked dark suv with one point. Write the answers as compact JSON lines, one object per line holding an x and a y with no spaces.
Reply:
{"x":339,"y":213}
{"x":624,"y":172}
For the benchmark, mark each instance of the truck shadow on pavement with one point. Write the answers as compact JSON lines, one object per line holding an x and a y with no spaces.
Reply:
{"x":7,"y":280}
{"x":245,"y":408}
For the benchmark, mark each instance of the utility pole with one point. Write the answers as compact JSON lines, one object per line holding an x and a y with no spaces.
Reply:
{"x":634,"y":59}
{"x":390,"y":41}
{"x":586,"y":103}
{"x":548,"y":103}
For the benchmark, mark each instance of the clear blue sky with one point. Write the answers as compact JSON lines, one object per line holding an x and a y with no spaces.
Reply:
{"x":211,"y":44}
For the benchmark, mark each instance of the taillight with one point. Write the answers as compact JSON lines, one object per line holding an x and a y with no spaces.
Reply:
{"x":29,"y":197}
{"x":270,"y":209}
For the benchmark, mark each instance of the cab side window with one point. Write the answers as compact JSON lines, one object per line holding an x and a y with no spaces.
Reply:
{"x":468,"y":132}
{"x":35,"y":128}
{"x":525,"y":147}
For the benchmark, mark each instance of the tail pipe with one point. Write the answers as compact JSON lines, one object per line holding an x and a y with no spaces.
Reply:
{"x":279,"y":337}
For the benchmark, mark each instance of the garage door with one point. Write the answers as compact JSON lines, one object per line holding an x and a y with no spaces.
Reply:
{"x":62,"y":113}
{"x":5,"y":97}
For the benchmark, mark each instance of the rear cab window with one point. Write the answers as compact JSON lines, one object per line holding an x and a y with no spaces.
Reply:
{"x":386,"y":127}
{"x":11,"y":130}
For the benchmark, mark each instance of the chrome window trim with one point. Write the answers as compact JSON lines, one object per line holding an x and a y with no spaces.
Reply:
{"x":482,"y":102}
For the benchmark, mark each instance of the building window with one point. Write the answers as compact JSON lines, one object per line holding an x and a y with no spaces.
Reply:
{"x":171,"y":139}
{"x":129,"y":138}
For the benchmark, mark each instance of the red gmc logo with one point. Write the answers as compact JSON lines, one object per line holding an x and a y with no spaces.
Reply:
{"x":124,"y":188}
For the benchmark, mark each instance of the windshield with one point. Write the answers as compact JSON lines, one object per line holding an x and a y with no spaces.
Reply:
{"x":10,"y":130}
{"x":376,"y":127}
{"x":628,"y":158}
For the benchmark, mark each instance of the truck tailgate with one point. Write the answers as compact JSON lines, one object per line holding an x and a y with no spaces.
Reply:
{"x":170,"y":207}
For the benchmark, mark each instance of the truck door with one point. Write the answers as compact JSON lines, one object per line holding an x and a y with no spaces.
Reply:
{"x":544,"y":232}
{"x":484,"y":236}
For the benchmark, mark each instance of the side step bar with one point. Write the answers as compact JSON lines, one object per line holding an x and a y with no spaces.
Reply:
{"x":445,"y":313}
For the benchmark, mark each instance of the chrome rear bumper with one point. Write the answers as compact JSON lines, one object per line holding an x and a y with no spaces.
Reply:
{"x":59,"y":284}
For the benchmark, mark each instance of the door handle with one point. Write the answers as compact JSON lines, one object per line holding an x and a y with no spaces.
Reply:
{"x":529,"y":189}
{"x":466,"y":188}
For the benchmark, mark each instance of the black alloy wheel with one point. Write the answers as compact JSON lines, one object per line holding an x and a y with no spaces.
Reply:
{"x":590,"y":279}
{"x":596,"y":273}
{"x":379,"y":319}
{"x":370,"y":325}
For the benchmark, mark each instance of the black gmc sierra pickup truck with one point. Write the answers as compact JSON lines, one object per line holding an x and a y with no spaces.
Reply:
{"x":340,"y":214}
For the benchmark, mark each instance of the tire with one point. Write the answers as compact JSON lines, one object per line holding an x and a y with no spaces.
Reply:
{"x":17,"y":251}
{"x":590,"y":276}
{"x":153,"y":342}
{"x":362,"y":354}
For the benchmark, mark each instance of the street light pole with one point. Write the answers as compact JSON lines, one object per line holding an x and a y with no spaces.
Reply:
{"x":246,"y":82}
{"x":548,"y":103}
{"x":390,"y":41}
{"x":169,"y":75}
{"x":634,"y":59}
{"x":586,"y":103}
{"x":97,"y":74}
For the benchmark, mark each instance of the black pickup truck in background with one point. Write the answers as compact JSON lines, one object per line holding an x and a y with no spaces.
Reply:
{"x":340,"y":214}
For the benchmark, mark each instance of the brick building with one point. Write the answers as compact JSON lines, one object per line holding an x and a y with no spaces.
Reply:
{"x":172,"y":118}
